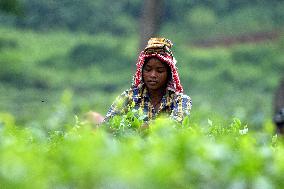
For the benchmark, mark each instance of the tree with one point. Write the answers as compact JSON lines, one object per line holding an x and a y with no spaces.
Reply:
{"x":151,"y":19}
{"x":10,"y":6}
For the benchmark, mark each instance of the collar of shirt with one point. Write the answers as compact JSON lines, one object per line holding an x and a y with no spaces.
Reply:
{"x":165,"y":101}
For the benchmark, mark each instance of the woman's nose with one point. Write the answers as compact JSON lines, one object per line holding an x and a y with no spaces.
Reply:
{"x":153,"y":73}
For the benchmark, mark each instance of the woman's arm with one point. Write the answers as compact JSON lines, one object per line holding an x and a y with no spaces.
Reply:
{"x":118,"y":107}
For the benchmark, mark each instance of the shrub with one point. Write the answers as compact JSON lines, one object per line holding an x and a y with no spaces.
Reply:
{"x":170,"y":156}
{"x":20,"y":76}
{"x":252,"y":54}
{"x":89,"y":54}
{"x":7,"y":43}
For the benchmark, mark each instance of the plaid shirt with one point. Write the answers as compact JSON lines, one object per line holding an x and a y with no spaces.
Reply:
{"x":177,"y":106}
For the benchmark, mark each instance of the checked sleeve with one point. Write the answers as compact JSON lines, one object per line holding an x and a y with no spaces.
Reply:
{"x":119,"y":106}
{"x":181,"y":108}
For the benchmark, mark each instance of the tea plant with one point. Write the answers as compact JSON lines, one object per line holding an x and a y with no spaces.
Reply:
{"x":118,"y":155}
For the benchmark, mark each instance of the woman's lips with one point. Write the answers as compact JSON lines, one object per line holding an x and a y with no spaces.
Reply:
{"x":152,"y":82}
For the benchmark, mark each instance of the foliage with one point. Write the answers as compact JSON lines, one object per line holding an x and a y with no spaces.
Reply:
{"x":201,"y":20}
{"x":224,"y":82}
{"x":84,"y":15}
{"x":121,"y":18}
{"x":11,"y":6}
{"x":86,"y":54}
{"x":169,"y":156}
{"x":90,"y":47}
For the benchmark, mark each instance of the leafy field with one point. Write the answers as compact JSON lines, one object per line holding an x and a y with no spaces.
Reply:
{"x":224,"y":82}
{"x":37,"y":68}
{"x":60,"y":59}
{"x":167,"y":155}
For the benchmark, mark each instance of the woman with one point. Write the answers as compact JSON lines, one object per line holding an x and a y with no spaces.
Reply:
{"x":156,"y":87}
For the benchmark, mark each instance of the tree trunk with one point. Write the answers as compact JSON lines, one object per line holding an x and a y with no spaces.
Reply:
{"x":150,"y":21}
{"x":279,"y":97}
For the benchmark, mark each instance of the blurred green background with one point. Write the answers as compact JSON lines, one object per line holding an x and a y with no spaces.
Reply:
{"x":60,"y":58}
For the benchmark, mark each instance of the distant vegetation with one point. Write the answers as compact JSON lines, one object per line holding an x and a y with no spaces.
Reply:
{"x":195,"y":19}
{"x":232,"y":81}
{"x":88,"y":49}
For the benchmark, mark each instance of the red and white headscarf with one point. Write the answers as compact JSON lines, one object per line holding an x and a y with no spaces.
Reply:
{"x":166,"y":57}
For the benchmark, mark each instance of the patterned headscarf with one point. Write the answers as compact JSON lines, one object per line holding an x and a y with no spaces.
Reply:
{"x":159,"y":48}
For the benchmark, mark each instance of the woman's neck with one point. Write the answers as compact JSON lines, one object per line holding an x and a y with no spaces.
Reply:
{"x":157,"y":94}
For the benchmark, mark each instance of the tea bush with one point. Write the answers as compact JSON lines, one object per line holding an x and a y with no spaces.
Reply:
{"x":125,"y":154}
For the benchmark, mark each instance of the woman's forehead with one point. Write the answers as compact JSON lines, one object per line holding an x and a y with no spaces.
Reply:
{"x":155,"y":62}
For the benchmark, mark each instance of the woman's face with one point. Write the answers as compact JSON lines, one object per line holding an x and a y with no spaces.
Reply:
{"x":155,"y":74}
